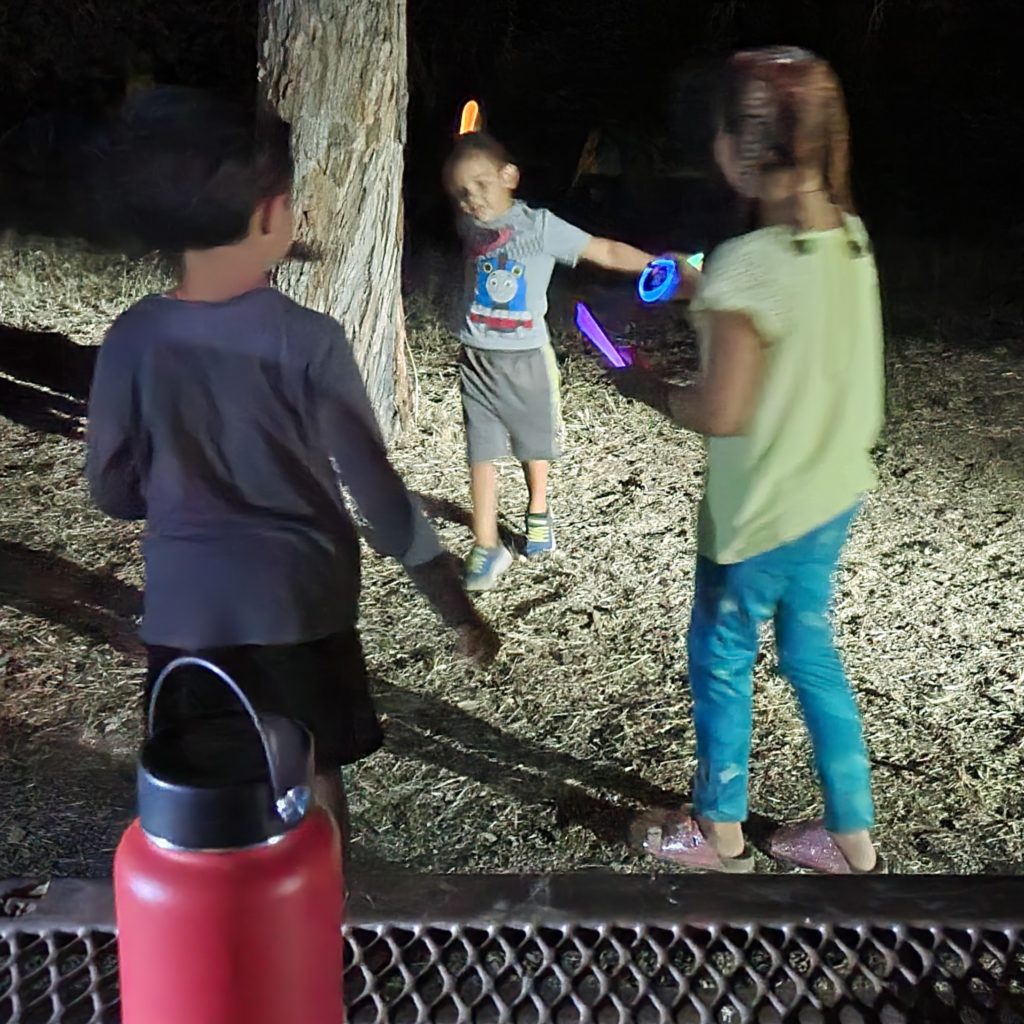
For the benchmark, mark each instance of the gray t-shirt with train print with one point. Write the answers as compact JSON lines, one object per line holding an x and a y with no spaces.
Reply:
{"x":509,"y":262}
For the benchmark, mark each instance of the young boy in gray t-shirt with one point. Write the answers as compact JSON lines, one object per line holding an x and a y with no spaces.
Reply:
{"x":507,"y":368}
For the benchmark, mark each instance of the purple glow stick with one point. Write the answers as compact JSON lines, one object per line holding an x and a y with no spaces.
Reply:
{"x":594,"y":333}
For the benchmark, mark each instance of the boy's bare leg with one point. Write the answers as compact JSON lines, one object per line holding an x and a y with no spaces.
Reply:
{"x":537,"y":483}
{"x":483,"y":482}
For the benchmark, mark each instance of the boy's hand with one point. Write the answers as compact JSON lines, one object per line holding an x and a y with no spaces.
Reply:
{"x":440,"y":582}
{"x":634,"y":357}
{"x":689,"y":278}
{"x":478,"y":642}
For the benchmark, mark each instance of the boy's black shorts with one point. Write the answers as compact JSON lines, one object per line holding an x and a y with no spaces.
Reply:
{"x":321,"y":683}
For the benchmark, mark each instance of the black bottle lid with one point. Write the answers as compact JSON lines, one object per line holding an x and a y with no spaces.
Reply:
{"x":225,"y":781}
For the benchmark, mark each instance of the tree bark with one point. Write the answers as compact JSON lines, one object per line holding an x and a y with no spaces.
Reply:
{"x":336,"y":71}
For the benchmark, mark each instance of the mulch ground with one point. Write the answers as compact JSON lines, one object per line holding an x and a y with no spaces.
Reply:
{"x":537,"y":763}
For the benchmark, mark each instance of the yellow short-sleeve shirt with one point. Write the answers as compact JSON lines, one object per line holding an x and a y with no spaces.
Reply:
{"x":806,"y":455}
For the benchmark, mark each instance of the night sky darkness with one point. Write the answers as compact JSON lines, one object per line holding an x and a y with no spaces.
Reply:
{"x":934,"y":87}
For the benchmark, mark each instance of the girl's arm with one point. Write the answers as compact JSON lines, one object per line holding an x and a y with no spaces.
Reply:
{"x":721,"y":402}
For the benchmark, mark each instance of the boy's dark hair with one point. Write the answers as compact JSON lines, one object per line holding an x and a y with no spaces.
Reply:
{"x":185,"y":169}
{"x":473,"y":143}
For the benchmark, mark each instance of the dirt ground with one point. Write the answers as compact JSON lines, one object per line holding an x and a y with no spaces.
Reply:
{"x":536,"y":764}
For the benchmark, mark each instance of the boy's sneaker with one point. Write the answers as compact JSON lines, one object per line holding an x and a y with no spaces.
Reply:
{"x":540,"y":534}
{"x":485,"y":565}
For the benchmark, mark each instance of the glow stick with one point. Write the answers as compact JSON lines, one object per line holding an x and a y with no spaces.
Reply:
{"x":594,"y":333}
{"x":661,"y":277}
{"x":470,"y":121}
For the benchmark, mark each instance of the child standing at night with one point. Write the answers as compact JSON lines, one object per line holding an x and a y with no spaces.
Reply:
{"x":228,"y":417}
{"x":790,"y":399}
{"x":507,"y":369}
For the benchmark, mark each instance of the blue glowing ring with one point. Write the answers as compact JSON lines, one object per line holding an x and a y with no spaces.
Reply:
{"x":659,"y":280}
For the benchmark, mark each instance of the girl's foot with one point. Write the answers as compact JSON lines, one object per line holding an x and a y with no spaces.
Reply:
{"x":484,"y":566}
{"x":809,"y":846}
{"x":858,"y":850}
{"x":725,"y":837}
{"x":676,"y":837}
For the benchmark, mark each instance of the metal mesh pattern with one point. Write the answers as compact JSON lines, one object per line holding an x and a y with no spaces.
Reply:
{"x":574,"y":974}
{"x":65,"y":977}
{"x":726,"y":975}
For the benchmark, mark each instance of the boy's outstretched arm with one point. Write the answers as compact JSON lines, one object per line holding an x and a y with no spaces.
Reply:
{"x":112,"y":437}
{"x":395,"y":524}
{"x":612,"y":255}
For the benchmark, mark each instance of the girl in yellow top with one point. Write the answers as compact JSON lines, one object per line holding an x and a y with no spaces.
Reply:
{"x":790,"y":399}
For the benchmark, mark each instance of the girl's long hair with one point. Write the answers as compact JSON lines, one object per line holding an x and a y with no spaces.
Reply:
{"x":785,"y":108}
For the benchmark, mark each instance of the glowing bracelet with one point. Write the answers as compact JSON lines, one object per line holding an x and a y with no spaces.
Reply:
{"x":661,"y":277}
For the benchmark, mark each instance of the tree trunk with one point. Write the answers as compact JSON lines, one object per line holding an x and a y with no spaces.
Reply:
{"x":336,"y":71}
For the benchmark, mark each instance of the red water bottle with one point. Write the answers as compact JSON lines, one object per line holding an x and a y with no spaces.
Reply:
{"x":228,"y":885}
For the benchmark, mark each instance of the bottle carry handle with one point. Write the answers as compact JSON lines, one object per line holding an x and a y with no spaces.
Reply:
{"x":284,"y":754}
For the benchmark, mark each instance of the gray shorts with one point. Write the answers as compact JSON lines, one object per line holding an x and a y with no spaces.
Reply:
{"x":511,"y":397}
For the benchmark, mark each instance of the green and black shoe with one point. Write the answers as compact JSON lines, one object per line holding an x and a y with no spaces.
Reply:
{"x":540,"y":534}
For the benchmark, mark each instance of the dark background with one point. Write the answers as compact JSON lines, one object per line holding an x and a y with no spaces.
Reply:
{"x":934,"y":89}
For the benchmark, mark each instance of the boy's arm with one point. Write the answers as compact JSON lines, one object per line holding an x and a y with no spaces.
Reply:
{"x":568,"y":244}
{"x":112,"y":436}
{"x":612,"y":255}
{"x":397,"y":526}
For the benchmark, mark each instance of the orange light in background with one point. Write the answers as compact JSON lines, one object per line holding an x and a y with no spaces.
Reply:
{"x":471,"y":119}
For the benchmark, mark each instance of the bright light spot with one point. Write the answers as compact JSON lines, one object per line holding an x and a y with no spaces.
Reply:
{"x":471,"y":120}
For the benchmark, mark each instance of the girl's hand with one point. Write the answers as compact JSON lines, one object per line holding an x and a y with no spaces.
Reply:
{"x":638,"y":383}
{"x":633,"y":357}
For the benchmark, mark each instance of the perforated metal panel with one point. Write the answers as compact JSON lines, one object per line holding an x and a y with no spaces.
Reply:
{"x":64,"y":976}
{"x":727,"y":975}
{"x":566,"y":950}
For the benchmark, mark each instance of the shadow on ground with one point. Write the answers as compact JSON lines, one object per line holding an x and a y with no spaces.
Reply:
{"x":46,"y":380}
{"x":94,"y":604}
{"x":436,"y":732}
{"x":64,"y":803}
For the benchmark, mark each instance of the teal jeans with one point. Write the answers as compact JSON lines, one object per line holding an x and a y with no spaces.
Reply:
{"x":792,"y":584}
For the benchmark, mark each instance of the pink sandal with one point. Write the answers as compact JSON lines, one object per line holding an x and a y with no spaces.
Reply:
{"x":676,"y":837}
{"x":809,"y":846}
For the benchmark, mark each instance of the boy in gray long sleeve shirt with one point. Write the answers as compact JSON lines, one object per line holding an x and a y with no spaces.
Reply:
{"x":228,"y":418}
{"x":227,"y":426}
